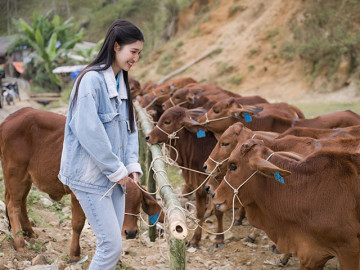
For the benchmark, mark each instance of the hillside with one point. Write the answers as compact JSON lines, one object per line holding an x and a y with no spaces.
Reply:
{"x":248,"y":35}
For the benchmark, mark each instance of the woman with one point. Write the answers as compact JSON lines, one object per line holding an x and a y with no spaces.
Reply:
{"x":101,"y":142}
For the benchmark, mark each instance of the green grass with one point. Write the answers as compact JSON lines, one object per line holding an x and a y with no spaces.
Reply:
{"x":315,"y":109}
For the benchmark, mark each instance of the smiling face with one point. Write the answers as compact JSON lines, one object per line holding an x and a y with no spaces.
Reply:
{"x":126,"y":56}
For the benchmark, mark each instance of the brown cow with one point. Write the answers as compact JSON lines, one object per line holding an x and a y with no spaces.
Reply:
{"x":237,"y":134}
{"x":192,"y":152}
{"x":155,"y":98}
{"x":221,"y":116}
{"x":299,"y":212}
{"x":162,"y":92}
{"x":193,"y":97}
{"x":132,"y":209}
{"x":318,"y":133}
{"x":135,"y":86}
{"x":31,"y":143}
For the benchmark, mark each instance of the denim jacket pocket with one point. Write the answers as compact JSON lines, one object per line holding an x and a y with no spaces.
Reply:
{"x":108,"y":117}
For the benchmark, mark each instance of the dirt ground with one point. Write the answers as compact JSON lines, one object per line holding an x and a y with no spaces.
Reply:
{"x":54,"y":235}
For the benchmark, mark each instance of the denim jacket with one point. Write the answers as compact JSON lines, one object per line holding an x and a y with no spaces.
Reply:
{"x":99,"y":148}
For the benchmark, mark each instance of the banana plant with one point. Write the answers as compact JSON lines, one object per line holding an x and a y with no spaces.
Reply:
{"x":51,"y":39}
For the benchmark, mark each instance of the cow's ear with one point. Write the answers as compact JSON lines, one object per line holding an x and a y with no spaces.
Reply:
{"x":268,"y":169}
{"x":241,"y":112}
{"x":193,"y":126}
{"x":197,"y":90}
{"x":151,"y":207}
{"x":196,"y":113}
{"x":291,"y":155}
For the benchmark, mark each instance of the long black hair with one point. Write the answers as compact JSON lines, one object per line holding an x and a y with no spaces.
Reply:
{"x":123,"y":32}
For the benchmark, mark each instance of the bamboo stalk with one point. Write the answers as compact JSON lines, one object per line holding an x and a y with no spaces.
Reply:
{"x":176,"y":218}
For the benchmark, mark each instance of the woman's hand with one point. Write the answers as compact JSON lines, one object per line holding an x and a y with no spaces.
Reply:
{"x":124,"y":180}
{"x":134,"y":177}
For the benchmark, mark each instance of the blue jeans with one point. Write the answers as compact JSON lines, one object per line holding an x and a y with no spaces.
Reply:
{"x":106,"y":218}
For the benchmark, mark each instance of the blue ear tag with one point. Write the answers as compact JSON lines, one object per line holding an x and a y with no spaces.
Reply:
{"x":154,"y":219}
{"x":172,"y":87}
{"x":200,"y":133}
{"x":247,"y":117}
{"x":193,"y":101}
{"x":278,"y":177}
{"x":154,"y":99}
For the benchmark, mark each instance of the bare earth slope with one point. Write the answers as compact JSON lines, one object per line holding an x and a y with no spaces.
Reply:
{"x":248,"y":34}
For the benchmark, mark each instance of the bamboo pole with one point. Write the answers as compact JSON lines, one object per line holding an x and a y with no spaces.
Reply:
{"x":176,"y":218}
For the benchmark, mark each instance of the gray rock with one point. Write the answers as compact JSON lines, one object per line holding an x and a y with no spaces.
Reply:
{"x":39,"y":260}
{"x":2,"y":207}
{"x":43,"y":267}
{"x":46,"y":202}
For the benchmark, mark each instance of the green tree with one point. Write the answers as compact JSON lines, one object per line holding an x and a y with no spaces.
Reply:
{"x":51,"y":40}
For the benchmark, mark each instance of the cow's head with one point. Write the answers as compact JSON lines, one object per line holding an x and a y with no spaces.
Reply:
{"x":173,"y":121}
{"x":225,"y":113}
{"x":135,"y":87}
{"x":176,"y":98}
{"x":225,"y":145}
{"x":135,"y":198}
{"x":246,"y":159}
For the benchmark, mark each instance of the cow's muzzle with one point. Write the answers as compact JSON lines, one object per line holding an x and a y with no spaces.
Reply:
{"x":130,"y":234}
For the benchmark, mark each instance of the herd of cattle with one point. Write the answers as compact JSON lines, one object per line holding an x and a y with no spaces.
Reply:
{"x":296,"y":179}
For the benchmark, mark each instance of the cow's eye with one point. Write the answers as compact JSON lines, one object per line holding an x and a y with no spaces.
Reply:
{"x":177,"y":97}
{"x":233,"y":167}
{"x":225,"y":144}
{"x":167,"y":122}
{"x":161,"y":91}
{"x":215,"y":111}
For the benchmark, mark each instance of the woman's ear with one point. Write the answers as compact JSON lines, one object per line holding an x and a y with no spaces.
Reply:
{"x":116,"y":46}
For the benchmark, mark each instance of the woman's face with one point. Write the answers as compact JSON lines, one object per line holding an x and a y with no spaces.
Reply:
{"x":126,"y":55}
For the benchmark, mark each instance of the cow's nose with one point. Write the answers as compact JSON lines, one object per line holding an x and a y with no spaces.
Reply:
{"x":207,"y":189}
{"x":163,"y":106}
{"x":130,"y":234}
{"x":147,"y":138}
{"x":205,"y":167}
{"x":213,"y":196}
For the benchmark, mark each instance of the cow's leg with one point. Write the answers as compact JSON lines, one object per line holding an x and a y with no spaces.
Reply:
{"x":209,"y":207}
{"x":219,"y":239}
{"x":252,"y":236}
{"x":77,"y":222}
{"x":24,"y":219}
{"x":16,"y":188}
{"x":200,"y":211}
{"x":349,"y":259}
{"x":240,"y":215}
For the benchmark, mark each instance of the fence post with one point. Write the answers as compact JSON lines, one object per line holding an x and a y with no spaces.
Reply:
{"x":175,"y":216}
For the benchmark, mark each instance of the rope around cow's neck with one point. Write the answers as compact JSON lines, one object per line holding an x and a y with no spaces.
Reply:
{"x":213,"y":120}
{"x":236,"y":190}
{"x":173,"y":103}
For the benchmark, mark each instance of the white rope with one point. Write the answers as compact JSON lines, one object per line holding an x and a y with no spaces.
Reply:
{"x":178,"y":104}
{"x":213,"y":120}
